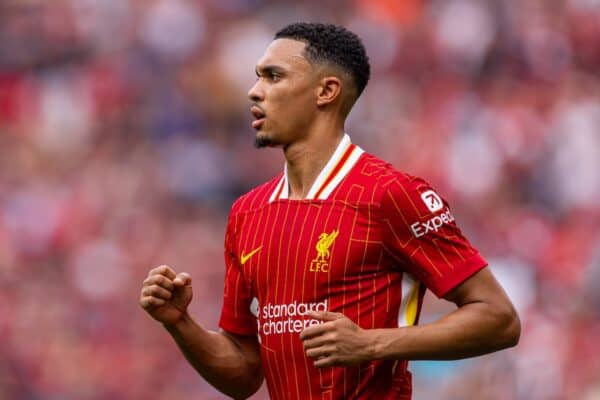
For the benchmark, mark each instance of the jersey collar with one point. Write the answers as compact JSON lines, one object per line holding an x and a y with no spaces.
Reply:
{"x":339,"y":165}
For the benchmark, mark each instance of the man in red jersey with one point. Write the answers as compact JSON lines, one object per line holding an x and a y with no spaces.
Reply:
{"x":327,"y":264}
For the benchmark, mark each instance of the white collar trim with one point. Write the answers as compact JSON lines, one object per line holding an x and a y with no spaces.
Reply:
{"x":339,"y":165}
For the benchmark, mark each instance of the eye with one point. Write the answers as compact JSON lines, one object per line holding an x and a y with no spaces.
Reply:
{"x":275,"y":77}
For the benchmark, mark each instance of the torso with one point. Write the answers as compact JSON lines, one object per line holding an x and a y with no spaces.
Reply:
{"x":325,"y":255}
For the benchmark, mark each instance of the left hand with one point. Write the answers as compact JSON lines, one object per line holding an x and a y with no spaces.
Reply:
{"x":336,"y":342}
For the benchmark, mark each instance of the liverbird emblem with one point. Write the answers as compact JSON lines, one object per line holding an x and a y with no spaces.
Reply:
{"x":320,"y":262}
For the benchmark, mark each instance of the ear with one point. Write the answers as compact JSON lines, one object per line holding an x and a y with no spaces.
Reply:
{"x":330,"y":88}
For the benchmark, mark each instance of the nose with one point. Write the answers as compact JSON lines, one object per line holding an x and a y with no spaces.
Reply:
{"x":255,"y":94}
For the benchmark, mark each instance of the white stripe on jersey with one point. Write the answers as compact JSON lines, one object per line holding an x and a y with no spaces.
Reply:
{"x":344,"y":144}
{"x":410,"y":301}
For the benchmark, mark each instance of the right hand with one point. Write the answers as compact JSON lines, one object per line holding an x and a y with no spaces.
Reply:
{"x":166,"y":295}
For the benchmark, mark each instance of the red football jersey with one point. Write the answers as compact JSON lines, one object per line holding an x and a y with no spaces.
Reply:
{"x":366,"y":242}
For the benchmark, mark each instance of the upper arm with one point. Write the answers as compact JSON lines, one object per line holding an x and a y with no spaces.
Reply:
{"x":421,"y":234}
{"x":483,"y":288}
{"x":236,"y":316}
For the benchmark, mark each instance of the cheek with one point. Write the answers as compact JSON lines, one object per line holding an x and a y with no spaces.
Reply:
{"x":294,"y":114}
{"x":298,"y":103}
{"x":292,"y":106}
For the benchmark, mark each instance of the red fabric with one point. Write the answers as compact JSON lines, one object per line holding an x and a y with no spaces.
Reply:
{"x":360,"y":274}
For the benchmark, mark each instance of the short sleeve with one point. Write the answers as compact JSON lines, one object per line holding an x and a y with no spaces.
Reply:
{"x":421,"y":234}
{"x":236,"y":316}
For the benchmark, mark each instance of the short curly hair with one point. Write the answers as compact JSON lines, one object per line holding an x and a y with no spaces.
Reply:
{"x":333,"y":44}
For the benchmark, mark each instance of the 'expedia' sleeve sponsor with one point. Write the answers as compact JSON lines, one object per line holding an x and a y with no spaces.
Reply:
{"x":420,"y":232}
{"x":235,"y":314}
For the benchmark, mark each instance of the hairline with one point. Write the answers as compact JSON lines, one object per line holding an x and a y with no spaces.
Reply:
{"x":321,"y":62}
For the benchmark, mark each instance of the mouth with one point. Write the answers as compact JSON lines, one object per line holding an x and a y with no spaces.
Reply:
{"x":259,"y":116}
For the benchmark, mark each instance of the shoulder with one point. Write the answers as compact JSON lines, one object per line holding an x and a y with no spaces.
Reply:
{"x":256,"y":197}
{"x":388,"y":181}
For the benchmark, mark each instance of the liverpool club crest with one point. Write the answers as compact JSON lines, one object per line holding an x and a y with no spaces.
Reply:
{"x":321,"y":262}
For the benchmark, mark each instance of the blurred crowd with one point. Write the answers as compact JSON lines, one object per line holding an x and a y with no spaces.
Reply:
{"x":125,"y":137}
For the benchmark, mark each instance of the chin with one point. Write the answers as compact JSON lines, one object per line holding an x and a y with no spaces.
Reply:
{"x":263,"y":140}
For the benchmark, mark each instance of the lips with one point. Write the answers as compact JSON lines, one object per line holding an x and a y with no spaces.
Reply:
{"x":259,"y":116}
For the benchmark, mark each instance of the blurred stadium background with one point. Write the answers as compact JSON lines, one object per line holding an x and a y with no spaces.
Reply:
{"x":125,"y":136}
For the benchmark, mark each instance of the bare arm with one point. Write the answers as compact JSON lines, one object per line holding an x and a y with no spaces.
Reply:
{"x":485,"y":321}
{"x":231,"y":363}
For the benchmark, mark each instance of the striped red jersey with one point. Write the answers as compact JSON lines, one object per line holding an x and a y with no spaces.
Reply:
{"x":366,"y":242}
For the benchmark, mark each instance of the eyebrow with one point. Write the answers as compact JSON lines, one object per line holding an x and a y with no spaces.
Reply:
{"x":269,"y":69}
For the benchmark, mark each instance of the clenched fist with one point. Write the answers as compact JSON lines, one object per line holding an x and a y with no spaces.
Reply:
{"x":166,"y":295}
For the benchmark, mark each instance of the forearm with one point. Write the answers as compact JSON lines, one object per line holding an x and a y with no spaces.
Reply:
{"x":469,"y":331}
{"x":218,"y":358}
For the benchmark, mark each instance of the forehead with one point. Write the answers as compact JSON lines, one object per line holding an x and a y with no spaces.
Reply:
{"x":285,"y":53}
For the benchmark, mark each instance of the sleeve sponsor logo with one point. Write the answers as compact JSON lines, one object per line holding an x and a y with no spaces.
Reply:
{"x":432,"y":201}
{"x":433,"y":224}
{"x":254,"y":307}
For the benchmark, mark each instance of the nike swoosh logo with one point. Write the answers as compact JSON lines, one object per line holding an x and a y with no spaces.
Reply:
{"x":245,"y":257}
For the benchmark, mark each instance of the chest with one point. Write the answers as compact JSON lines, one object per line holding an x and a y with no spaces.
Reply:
{"x":307,"y":250}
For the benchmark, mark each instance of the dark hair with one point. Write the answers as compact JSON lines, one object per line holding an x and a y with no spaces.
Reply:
{"x":333,"y":44}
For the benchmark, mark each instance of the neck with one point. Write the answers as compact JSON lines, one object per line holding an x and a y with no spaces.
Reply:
{"x":306,"y":158}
